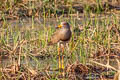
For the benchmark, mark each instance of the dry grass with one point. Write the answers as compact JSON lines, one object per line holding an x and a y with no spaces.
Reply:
{"x":94,"y":37}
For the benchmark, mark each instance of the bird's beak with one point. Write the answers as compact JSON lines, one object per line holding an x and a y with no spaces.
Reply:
{"x":59,"y":26}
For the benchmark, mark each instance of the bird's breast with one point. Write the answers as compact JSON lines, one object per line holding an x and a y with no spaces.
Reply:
{"x":65,"y":35}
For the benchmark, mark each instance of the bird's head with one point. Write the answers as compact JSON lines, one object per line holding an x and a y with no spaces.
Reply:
{"x":64,"y":25}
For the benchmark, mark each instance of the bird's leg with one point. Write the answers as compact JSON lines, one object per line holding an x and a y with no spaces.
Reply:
{"x":59,"y":56}
{"x":62,"y":57}
{"x":63,"y":73}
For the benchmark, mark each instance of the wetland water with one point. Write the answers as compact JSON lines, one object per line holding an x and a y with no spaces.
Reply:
{"x":51,"y":59}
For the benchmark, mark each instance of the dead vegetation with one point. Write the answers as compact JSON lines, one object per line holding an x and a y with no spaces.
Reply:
{"x":101,"y":41}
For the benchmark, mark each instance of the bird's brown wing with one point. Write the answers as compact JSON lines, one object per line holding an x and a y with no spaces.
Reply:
{"x":55,"y":37}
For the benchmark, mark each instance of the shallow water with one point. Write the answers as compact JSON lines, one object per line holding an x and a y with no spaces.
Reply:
{"x":39,"y":62}
{"x":52,"y":22}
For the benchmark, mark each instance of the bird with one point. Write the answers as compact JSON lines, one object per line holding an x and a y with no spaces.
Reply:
{"x":60,"y":36}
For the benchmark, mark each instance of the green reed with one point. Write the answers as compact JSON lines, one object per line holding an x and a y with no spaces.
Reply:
{"x":96,"y":34}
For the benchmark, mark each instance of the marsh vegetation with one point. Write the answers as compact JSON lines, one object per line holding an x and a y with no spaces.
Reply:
{"x":93,"y":52}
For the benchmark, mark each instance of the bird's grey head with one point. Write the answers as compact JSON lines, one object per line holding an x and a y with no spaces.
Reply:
{"x":65,"y":25}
